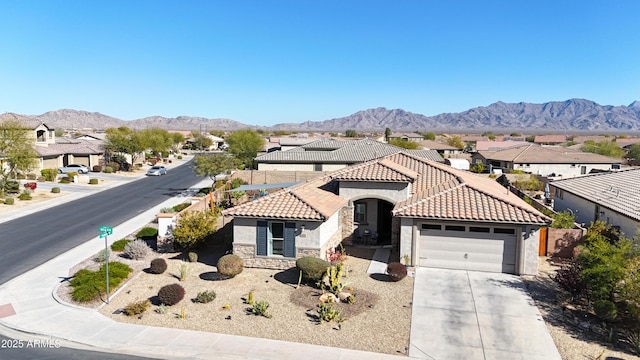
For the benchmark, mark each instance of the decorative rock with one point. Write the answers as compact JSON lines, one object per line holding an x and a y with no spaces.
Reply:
{"x":328,"y":298}
{"x":343,"y":296}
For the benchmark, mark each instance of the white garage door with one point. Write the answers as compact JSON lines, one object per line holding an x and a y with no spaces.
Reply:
{"x":479,"y":248}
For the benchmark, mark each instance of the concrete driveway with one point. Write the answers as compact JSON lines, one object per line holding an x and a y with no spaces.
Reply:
{"x":470,"y":315}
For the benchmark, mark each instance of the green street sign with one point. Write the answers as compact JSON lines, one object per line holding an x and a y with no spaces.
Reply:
{"x":105,"y":229}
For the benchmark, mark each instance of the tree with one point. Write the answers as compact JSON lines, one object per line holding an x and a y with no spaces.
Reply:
{"x":213,"y":165}
{"x":530,"y":138}
{"x":429,"y":136}
{"x":218,"y":133}
{"x":477,"y":168}
{"x":16,"y":151}
{"x":157,"y":140}
{"x":387,"y":133}
{"x":564,"y":220}
{"x":606,"y":148}
{"x":490,"y":135}
{"x":126,"y":141}
{"x":405,"y":144}
{"x":177,"y":140}
{"x":634,"y":152}
{"x":515,"y":134}
{"x":456,"y":142}
{"x":351,"y":133}
{"x":245,"y":144}
{"x":193,"y":227}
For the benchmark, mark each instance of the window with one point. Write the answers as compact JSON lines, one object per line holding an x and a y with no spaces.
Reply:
{"x":504,"y":231}
{"x":317,"y":167}
{"x":431,"y":227}
{"x":454,"y":228}
{"x":478,"y":229}
{"x":360,"y":212}
{"x":559,"y":193}
{"x":276,"y":238}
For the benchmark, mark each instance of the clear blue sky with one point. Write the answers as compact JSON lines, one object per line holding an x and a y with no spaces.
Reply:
{"x":271,"y":61}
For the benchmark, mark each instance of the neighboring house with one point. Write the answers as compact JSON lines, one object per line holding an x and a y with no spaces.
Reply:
{"x":550,"y":139}
{"x":53,"y":152}
{"x":436,"y":215}
{"x":610,"y":197}
{"x":545,"y":160}
{"x":497,"y":145}
{"x":332,"y":154}
{"x":406,"y":136}
{"x":442,"y":149}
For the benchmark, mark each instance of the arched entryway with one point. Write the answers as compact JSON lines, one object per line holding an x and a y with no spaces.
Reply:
{"x":372,"y":221}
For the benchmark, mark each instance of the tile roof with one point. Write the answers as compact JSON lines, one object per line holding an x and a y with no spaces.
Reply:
{"x":550,"y":139}
{"x":340,"y":152}
{"x":536,"y":154}
{"x":618,"y":191}
{"x":78,"y":148}
{"x":434,"y":145}
{"x":440,"y":192}
{"x":495,"y":145}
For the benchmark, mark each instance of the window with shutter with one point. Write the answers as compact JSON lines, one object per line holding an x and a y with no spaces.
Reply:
{"x":290,"y":240}
{"x":261,"y":238}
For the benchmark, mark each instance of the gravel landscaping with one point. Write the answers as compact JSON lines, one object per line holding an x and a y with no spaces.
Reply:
{"x":379,"y":320}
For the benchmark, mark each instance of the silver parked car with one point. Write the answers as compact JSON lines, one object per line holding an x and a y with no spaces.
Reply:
{"x":79,"y":168}
{"x":157,"y":170}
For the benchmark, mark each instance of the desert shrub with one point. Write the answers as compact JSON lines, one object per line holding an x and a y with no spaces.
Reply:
{"x":65,"y":180}
{"x":605,"y":309}
{"x":204,"y":297}
{"x":167,"y":210}
{"x":31,"y":185}
{"x":41,"y":179}
{"x":20,"y":176}
{"x":184,"y":270}
{"x":72,"y":174}
{"x":564,"y":220}
{"x":193,"y":257}
{"x":147,"y":233}
{"x":568,"y":278}
{"x":108,"y":169}
{"x":93,"y":181}
{"x":137,"y":308}
{"x":171,"y":294}
{"x":137,"y":249}
{"x":193,"y":228}
{"x":179,"y":157}
{"x":88,"y":285}
{"x":9,"y":201}
{"x":180,"y":207}
{"x":49,"y":174}
{"x":230,"y":265}
{"x":313,"y":268}
{"x":158,"y":266}
{"x":119,"y":245}
{"x":115,"y":166}
{"x":96,"y":168}
{"x":31,"y":176}
{"x":101,"y":256}
{"x":11,"y":187}
{"x":261,"y":308}
{"x":26,"y":195}
{"x":55,"y":190}
{"x":326,"y":313}
{"x":396,"y":271}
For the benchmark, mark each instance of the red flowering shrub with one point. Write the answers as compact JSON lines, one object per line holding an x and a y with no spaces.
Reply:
{"x":31,"y":185}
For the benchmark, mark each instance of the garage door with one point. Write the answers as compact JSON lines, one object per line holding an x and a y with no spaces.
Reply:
{"x":476,"y":248}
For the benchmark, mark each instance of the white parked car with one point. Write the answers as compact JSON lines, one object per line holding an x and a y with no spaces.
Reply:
{"x":157,"y":170}
{"x":80,"y":169}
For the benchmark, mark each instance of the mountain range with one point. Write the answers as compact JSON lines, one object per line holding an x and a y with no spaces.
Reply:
{"x":573,"y":114}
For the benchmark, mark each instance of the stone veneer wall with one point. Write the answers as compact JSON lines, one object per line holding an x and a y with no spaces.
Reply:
{"x":346,"y":224}
{"x":248,"y":255}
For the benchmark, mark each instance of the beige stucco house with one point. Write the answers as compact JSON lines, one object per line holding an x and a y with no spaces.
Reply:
{"x":436,"y":215}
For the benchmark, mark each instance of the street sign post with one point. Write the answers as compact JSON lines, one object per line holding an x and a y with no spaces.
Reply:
{"x":104,"y":232}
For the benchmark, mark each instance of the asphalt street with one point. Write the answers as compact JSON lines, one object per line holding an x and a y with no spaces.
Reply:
{"x":31,"y":240}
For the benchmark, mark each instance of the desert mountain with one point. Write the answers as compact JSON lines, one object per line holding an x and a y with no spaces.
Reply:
{"x":573,"y":114}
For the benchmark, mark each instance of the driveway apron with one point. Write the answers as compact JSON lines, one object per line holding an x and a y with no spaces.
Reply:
{"x":460,"y":314}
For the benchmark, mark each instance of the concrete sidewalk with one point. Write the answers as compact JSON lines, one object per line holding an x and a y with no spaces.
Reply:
{"x":28,"y":308}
